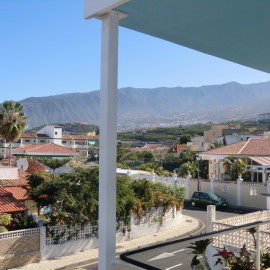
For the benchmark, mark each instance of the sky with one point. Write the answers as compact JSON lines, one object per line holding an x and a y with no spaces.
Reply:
{"x":47,"y":48}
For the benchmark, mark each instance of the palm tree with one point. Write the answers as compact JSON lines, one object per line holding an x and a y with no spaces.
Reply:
{"x":199,"y":247}
{"x":12,"y":122}
{"x":234,"y":167}
{"x":215,"y":145}
{"x":188,"y":167}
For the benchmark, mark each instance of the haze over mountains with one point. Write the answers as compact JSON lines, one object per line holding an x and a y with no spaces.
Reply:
{"x":158,"y":106}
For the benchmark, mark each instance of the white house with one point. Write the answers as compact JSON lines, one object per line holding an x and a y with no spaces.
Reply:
{"x":53,"y":134}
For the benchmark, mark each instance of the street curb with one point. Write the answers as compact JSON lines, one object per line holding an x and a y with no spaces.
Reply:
{"x":198,"y":229}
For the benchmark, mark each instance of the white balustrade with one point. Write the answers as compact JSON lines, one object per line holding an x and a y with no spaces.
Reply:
{"x":19,"y":233}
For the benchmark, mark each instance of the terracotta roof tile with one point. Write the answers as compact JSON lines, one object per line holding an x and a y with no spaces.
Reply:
{"x":20,"y":181}
{"x":252,"y":147}
{"x":4,"y":192}
{"x":8,"y":203}
{"x":18,"y":193}
{"x":79,"y":137}
{"x":43,"y":148}
{"x":36,"y":135}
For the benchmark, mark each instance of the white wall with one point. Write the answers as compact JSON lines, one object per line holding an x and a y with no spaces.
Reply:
{"x":138,"y":231}
{"x":8,"y":173}
{"x":72,"y":247}
{"x":75,"y":246}
{"x":53,"y":132}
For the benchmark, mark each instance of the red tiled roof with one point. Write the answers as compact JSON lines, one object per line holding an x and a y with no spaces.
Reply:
{"x":35,"y":135}
{"x":4,"y":192}
{"x":252,"y":147}
{"x":78,"y":137}
{"x":18,"y":193}
{"x":8,"y":203}
{"x":43,"y":148}
{"x":20,"y":181}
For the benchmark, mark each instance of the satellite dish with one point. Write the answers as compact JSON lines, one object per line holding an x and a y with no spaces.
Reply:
{"x":22,"y":164}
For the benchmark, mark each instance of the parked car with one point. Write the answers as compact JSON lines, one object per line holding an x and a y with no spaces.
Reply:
{"x":207,"y":198}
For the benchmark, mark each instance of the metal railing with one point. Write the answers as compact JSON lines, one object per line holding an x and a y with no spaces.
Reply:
{"x":126,"y":257}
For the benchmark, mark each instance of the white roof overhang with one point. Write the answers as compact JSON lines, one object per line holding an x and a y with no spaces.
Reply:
{"x":235,"y":30}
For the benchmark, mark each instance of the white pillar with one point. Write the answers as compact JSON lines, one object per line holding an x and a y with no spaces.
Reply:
{"x":264,"y":175}
{"x":211,"y":217}
{"x":267,"y":197}
{"x":108,"y":141}
{"x":258,"y":248}
{"x":212,"y":184}
{"x":187,"y":183}
{"x":42,"y":240}
{"x":174,"y":180}
{"x":239,"y":181}
{"x":153,"y":176}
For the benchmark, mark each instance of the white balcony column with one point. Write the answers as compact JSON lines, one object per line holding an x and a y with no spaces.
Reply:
{"x":108,"y":141}
{"x":258,"y":247}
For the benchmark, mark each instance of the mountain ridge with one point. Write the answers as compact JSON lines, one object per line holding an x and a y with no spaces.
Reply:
{"x":231,"y":99}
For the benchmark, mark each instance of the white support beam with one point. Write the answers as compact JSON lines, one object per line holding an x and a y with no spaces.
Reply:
{"x":108,"y":141}
{"x":97,"y":8}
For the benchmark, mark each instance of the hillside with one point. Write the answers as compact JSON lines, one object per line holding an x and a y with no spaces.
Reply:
{"x":156,"y":107}
{"x":70,"y":128}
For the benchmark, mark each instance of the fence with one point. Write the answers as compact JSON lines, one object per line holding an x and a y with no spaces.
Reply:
{"x":238,"y":193}
{"x":63,"y":240}
{"x":237,"y":238}
{"x":19,"y":233}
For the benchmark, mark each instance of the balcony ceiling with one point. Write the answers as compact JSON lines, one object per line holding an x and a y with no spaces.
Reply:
{"x":235,"y":30}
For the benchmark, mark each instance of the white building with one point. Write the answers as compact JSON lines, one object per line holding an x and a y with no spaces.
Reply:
{"x":53,"y":134}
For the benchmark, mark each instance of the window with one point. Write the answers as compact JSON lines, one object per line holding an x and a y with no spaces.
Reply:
{"x":55,"y":132}
{"x":27,"y":140}
{"x":42,"y":141}
{"x":196,"y":195}
{"x":204,"y":196}
{"x":64,"y":141}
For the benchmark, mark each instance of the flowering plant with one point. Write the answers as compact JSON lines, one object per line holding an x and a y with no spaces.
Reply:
{"x":235,"y":262}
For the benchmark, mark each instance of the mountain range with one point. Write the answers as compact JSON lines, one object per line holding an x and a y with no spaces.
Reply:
{"x":140,"y":107}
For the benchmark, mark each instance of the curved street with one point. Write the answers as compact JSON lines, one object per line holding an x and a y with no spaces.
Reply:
{"x":179,"y":257}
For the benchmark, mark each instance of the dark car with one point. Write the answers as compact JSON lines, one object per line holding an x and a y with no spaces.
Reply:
{"x":207,"y":198}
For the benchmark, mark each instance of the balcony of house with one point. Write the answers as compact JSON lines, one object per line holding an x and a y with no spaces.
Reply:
{"x":75,"y":144}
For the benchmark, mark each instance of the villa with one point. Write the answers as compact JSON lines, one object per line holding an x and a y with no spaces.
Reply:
{"x":256,"y":153}
{"x":53,"y":134}
{"x":49,"y":150}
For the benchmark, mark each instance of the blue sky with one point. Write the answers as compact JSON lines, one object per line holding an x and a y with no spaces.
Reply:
{"x":47,"y":48}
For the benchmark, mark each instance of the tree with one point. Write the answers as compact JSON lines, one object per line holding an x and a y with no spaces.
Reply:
{"x":22,"y":221}
{"x":146,"y":155}
{"x":199,"y":247}
{"x":34,"y":166}
{"x":5,"y":219}
{"x":215,"y":145}
{"x":188,"y":167}
{"x":234,"y":167}
{"x":12,"y":122}
{"x":187,"y":156}
{"x":72,"y":197}
{"x":54,"y":163}
{"x":185,"y":138}
{"x":151,"y":166}
{"x":125,"y":198}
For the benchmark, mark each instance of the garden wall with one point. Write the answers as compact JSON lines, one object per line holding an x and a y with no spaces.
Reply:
{"x":19,"y":248}
{"x":79,"y":238}
{"x":238,"y":193}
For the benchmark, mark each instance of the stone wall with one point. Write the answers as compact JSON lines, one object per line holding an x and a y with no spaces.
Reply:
{"x":19,"y":250}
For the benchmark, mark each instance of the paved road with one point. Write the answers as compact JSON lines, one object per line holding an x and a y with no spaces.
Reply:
{"x":176,"y":256}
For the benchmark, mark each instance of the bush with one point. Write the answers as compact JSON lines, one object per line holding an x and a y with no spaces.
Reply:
{"x":5,"y":219}
{"x":21,"y":222}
